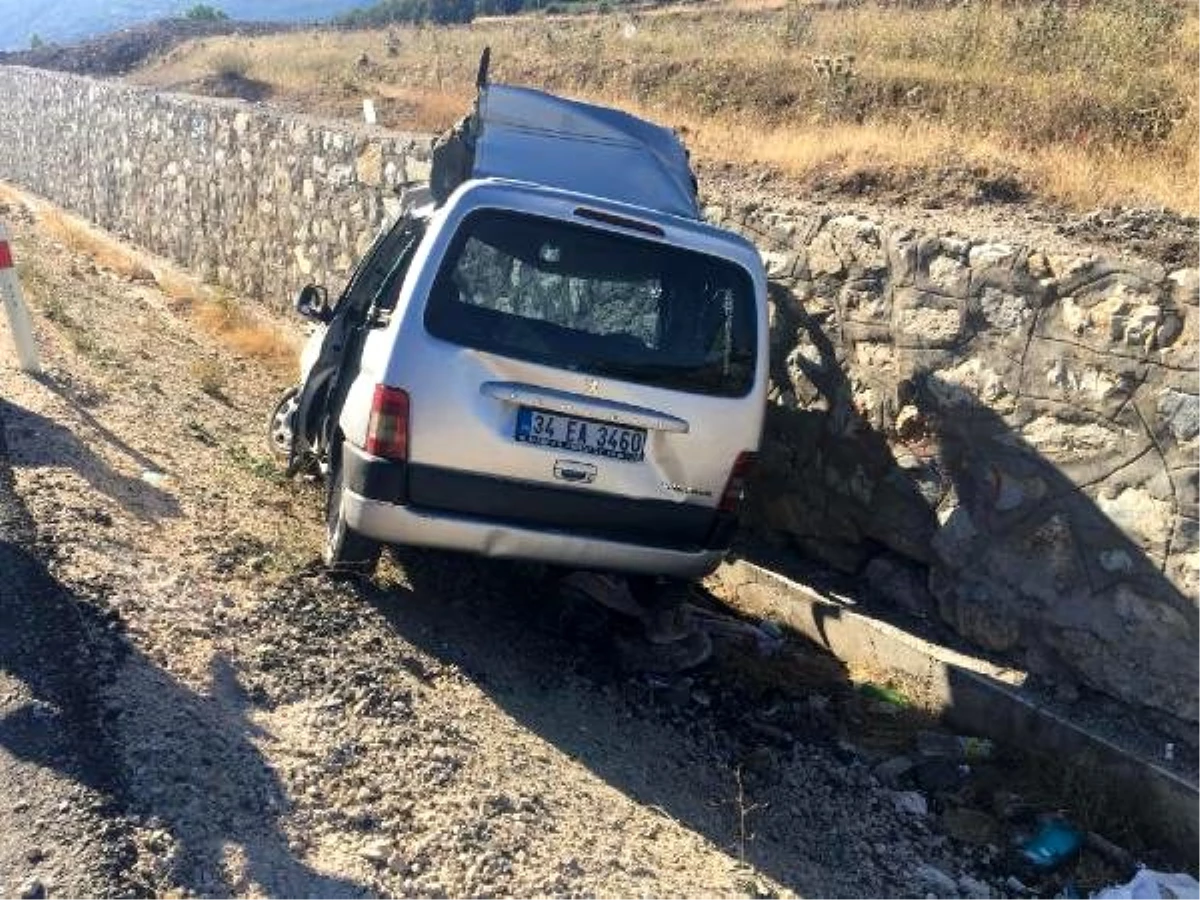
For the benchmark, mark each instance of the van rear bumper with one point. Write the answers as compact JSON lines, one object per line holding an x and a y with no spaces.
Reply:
{"x":396,"y":524}
{"x":401,"y":504}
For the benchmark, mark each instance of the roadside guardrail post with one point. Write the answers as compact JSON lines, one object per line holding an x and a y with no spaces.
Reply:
{"x":18,"y":315}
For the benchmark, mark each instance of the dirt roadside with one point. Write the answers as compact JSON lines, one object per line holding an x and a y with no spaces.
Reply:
{"x":235,"y":723}
{"x":57,"y":822}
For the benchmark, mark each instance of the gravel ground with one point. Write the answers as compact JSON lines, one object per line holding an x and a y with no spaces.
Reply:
{"x":213,"y":716}
{"x":59,"y":830}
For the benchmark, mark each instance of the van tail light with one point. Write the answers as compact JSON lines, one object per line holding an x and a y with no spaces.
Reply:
{"x":387,"y":430}
{"x":735,"y":488}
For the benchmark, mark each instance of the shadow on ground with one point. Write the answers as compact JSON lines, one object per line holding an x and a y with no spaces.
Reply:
{"x":782,"y":740}
{"x":56,"y":446}
{"x":102,"y":714}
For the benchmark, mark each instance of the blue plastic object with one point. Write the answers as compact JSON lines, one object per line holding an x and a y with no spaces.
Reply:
{"x":1055,"y":842}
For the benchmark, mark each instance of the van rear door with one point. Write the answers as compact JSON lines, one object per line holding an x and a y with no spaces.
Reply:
{"x":590,"y":376}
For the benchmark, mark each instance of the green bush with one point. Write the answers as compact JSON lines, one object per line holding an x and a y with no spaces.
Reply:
{"x":202,"y":12}
{"x":387,"y":12}
{"x":498,"y":7}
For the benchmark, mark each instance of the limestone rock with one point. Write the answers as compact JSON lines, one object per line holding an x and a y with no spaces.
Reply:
{"x":1185,"y":286}
{"x":1005,"y":313}
{"x":1181,"y":413}
{"x":986,"y":256}
{"x":857,"y":242}
{"x":1145,"y":519}
{"x":823,"y":258}
{"x":923,"y":319}
{"x":946,"y":275}
{"x":369,"y":165}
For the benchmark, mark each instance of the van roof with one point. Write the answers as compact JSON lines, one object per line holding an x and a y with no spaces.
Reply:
{"x":529,"y":135}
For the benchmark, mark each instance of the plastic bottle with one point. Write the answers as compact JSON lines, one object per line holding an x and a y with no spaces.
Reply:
{"x":936,"y":745}
{"x":884,"y":694}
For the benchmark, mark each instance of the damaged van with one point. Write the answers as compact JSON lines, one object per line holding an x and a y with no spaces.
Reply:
{"x":548,"y":357}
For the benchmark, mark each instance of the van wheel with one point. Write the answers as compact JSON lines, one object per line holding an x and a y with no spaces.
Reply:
{"x":280,"y":424}
{"x":346,"y":551}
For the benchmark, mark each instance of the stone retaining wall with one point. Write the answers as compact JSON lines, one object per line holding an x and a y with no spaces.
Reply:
{"x":997,"y":437}
{"x":257,"y":201}
{"x":1003,"y":439}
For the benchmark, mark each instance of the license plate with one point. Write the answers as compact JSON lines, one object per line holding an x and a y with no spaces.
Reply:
{"x":535,"y":426}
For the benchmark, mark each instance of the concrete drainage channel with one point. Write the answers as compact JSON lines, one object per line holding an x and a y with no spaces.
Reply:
{"x":973,"y":696}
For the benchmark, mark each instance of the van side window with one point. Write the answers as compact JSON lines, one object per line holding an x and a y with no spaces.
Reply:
{"x":385,"y":302}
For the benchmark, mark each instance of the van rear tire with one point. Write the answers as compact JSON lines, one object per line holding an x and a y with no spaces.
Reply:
{"x":346,"y":553}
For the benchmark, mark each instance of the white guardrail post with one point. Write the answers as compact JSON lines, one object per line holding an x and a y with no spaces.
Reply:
{"x":18,"y":315}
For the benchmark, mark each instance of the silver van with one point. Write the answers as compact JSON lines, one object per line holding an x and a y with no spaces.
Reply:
{"x":548,"y":357}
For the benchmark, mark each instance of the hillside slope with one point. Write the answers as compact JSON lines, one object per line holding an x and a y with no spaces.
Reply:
{"x":61,"y":21}
{"x":985,"y":103}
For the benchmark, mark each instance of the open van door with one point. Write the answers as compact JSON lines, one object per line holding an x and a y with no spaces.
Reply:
{"x":364,"y":304}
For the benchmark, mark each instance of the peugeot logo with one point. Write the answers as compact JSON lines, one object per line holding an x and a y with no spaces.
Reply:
{"x":574,"y":472}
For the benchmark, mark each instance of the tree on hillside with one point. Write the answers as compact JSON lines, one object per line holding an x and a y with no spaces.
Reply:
{"x":202,"y":12}
{"x":445,"y":12}
{"x":387,"y":12}
{"x":498,"y":7}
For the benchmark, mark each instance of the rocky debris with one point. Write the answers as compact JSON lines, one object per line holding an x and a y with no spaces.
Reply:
{"x":936,"y":880}
{"x":1158,"y":233}
{"x":378,"y":852}
{"x":911,"y":802}
{"x":973,"y":888}
{"x":891,"y":770}
{"x":970,"y":826}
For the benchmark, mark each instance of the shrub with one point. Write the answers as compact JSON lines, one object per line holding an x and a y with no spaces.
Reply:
{"x":446,"y":12}
{"x":387,"y":12}
{"x":202,"y":12}
{"x":211,"y":376}
{"x":231,"y":64}
{"x":498,"y":7}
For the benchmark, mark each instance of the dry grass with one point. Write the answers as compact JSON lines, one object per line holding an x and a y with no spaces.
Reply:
{"x":1086,"y":104}
{"x":217,"y":313}
{"x":211,"y":376}
{"x":232,"y":63}
{"x":228,"y":320}
{"x":83,"y":239}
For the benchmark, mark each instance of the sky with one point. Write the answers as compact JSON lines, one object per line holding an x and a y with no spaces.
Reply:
{"x":66,"y":20}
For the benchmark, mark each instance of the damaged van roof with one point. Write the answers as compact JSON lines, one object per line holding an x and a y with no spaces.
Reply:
{"x":528,"y":135}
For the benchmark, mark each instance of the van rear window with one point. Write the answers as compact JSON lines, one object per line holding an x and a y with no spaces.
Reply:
{"x":580,"y":298}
